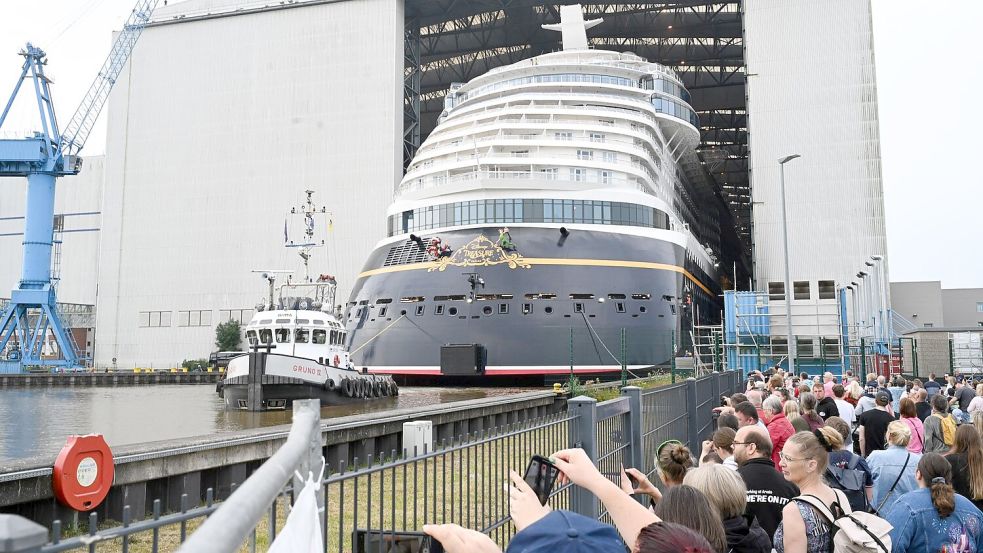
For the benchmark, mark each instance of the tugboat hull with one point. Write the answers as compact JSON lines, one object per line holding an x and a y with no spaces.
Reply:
{"x":262,"y":382}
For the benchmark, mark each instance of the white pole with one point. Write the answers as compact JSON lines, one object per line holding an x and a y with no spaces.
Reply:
{"x":788,"y":280}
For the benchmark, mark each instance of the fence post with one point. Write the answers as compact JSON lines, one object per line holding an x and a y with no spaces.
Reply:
{"x":715,"y":388}
{"x":583,"y":434}
{"x":635,"y":425}
{"x":311,"y":463}
{"x":20,"y":535}
{"x":693,"y":424}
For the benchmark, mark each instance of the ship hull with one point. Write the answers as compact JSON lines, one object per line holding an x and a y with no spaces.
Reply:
{"x":279,"y":379}
{"x":620,"y":298}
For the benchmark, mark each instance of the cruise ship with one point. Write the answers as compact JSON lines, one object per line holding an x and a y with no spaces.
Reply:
{"x":549,"y":224}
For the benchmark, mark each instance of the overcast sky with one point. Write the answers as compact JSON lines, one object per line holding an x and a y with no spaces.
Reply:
{"x":928,"y":87}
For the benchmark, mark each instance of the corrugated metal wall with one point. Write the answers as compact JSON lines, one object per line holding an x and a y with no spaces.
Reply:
{"x":215,"y":130}
{"x":79,"y":198}
{"x":812,"y":92}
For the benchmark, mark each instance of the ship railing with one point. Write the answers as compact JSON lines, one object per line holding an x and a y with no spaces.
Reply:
{"x":260,"y":501}
{"x":545,"y":136}
{"x":460,"y":479}
{"x":436,"y":181}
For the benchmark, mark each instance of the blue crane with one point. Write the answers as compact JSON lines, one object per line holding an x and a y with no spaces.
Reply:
{"x":43,"y":158}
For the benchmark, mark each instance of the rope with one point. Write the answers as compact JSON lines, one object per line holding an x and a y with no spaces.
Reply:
{"x":613,"y":356}
{"x":353,"y":352}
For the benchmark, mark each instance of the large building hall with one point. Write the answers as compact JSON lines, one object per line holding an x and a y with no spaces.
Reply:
{"x":231,"y":109}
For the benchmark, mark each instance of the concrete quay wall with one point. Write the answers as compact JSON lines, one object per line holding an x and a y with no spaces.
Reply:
{"x":171,"y":469}
{"x":107,"y":379}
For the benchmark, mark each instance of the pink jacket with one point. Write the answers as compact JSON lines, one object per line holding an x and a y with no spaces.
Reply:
{"x":917,"y":442}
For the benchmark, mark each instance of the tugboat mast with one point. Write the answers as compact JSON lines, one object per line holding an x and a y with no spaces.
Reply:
{"x":308,"y":240}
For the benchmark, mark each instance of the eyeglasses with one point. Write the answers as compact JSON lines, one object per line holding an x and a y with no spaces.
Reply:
{"x":741,"y":443}
{"x":788,"y":459}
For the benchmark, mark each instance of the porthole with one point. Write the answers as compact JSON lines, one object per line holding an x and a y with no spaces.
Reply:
{"x":642,"y":309}
{"x":487,"y":310}
{"x":402,"y":312}
{"x":548,"y":309}
{"x":452,"y":311}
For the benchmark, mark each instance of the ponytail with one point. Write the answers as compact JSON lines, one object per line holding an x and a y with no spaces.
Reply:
{"x":943,"y":497}
{"x":936,"y":472}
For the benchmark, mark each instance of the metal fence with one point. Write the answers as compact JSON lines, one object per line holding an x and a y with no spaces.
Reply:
{"x":461,"y":481}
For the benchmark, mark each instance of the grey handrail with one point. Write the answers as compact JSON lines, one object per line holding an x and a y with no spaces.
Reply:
{"x":235,"y":519}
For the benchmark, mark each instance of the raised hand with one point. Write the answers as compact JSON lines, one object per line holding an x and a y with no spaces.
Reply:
{"x":524,"y":505}
{"x":457,"y":539}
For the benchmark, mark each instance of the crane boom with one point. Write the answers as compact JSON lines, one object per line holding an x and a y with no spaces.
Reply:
{"x":77,"y":132}
{"x":33,"y":309}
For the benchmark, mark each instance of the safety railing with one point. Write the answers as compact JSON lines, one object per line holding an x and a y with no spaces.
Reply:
{"x":462,"y":480}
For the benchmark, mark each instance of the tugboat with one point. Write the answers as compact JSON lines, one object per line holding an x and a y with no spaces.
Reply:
{"x":298,"y":342}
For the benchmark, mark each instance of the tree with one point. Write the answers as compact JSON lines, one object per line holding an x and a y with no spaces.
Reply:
{"x":227,"y":336}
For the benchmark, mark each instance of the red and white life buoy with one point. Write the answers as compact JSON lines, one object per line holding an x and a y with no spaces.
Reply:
{"x":337,"y":360}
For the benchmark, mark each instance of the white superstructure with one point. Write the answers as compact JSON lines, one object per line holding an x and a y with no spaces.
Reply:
{"x":583,"y":125}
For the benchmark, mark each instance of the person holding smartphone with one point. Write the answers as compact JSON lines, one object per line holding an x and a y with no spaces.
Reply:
{"x":539,"y":528}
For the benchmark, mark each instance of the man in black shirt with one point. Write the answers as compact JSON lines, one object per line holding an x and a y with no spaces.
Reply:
{"x":767,"y":489}
{"x":922,"y":406}
{"x":827,"y":405}
{"x":873,"y":424}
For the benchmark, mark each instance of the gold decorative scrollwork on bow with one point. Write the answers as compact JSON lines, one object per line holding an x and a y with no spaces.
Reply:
{"x":480,"y":252}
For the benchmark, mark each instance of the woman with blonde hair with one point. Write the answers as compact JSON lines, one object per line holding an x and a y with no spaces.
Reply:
{"x":672,"y":460}
{"x":893,"y":468}
{"x":978,"y":422}
{"x":727,"y":493}
{"x":976,"y":405}
{"x":853,"y":392}
{"x":803,"y":462}
{"x":791,"y":409}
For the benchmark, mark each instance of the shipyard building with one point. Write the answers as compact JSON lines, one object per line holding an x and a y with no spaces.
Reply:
{"x":230,"y":109}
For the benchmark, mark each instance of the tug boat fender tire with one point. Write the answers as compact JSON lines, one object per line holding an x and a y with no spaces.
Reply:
{"x":347,"y":387}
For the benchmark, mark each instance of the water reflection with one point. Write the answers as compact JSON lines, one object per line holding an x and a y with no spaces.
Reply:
{"x":37,"y":421}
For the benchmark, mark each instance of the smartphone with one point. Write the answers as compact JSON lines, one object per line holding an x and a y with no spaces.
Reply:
{"x":376,"y":541}
{"x":541,"y":475}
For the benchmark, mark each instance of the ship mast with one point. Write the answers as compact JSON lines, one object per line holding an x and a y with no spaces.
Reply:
{"x":308,"y":240}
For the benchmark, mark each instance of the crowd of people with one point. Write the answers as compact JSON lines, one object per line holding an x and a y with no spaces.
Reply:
{"x":796,"y":464}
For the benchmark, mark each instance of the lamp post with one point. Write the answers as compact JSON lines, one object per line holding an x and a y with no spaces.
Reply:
{"x":788,"y":279}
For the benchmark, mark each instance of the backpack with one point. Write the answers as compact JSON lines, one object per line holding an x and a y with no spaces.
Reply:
{"x":948,"y":425}
{"x":852,"y":532}
{"x":850,"y":481}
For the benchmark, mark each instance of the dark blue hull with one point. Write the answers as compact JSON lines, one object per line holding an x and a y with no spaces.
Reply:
{"x":591,"y":300}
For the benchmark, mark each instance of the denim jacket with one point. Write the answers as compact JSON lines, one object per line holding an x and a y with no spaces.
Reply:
{"x":918,"y":527}
{"x":884,"y":467}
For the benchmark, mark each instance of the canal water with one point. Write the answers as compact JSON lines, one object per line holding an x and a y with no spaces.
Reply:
{"x":37,"y":421}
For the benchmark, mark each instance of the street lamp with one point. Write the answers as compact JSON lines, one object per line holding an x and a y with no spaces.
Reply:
{"x":788,"y":279}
